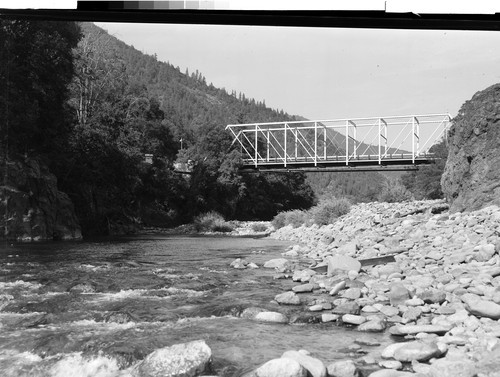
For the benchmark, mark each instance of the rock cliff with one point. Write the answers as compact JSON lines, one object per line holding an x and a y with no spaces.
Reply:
{"x":31,"y":206}
{"x":471,"y":179}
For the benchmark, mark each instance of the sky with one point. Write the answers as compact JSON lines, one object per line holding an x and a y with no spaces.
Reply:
{"x":330,"y":73}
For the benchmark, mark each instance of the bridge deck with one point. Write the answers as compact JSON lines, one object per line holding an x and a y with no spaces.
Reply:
{"x":338,"y":163}
{"x":380,"y":143}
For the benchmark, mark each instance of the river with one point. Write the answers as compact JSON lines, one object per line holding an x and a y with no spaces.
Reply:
{"x":95,"y":308}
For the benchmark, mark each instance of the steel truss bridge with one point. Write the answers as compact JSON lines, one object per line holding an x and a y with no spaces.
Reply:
{"x":379,"y":143}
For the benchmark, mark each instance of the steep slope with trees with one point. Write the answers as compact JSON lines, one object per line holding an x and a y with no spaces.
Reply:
{"x":36,"y":66}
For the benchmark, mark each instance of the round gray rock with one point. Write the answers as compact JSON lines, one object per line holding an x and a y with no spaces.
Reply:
{"x":416,"y":351}
{"x":315,"y":367}
{"x":273,"y":317}
{"x":186,"y":360}
{"x":343,"y":368}
{"x":304,"y":288}
{"x":279,"y":368}
{"x":452,"y":368}
{"x":342,"y":263}
{"x":278,"y":263}
{"x":288,"y":298}
{"x":374,"y":325}
{"x":398,"y":294}
{"x":481,"y":308}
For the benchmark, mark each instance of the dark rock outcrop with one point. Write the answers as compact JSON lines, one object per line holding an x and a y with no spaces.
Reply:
{"x":471,"y":179}
{"x":31,"y":206}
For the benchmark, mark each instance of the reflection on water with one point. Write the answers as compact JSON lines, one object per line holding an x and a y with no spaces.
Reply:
{"x":96,"y":308}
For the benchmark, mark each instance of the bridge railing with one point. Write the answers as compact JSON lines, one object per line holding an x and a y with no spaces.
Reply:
{"x":313,"y":142}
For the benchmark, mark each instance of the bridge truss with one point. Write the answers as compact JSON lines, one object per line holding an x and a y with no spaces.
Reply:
{"x":379,"y":143}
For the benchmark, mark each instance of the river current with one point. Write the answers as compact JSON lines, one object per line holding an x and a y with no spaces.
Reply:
{"x":95,"y":308}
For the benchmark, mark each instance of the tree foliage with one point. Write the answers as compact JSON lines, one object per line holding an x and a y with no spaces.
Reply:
{"x":36,"y":66}
{"x":94,"y":107}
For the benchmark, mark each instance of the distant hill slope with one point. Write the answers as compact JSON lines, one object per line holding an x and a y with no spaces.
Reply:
{"x":187,"y":99}
{"x":189,"y":102}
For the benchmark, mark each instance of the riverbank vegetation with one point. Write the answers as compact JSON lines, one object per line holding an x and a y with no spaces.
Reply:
{"x":212,"y":222}
{"x":325,"y":212}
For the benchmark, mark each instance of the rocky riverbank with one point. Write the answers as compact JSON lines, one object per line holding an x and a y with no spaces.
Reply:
{"x":429,"y":277}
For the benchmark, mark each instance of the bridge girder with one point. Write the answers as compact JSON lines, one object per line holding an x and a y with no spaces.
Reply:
{"x":352,"y":144}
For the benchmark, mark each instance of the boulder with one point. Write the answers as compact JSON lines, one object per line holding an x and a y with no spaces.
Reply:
{"x":412,"y":313}
{"x":304,"y":288}
{"x":303,"y":275}
{"x":488,"y":363}
{"x":353,"y":319}
{"x":274,"y":317}
{"x":471,"y":178}
{"x":314,"y":367}
{"x":337,"y":288}
{"x":326,"y":317}
{"x":398,"y":294}
{"x":391,"y":364}
{"x":388,"y":352}
{"x":480,"y":307}
{"x":287,"y":298}
{"x":342,"y":368}
{"x":348,"y":248}
{"x":281,"y":264}
{"x":338,"y":263}
{"x":389,"y":311}
{"x":239,"y":264}
{"x":432,"y":296}
{"x":452,"y":368}
{"x":251,"y":312}
{"x":320,"y":306}
{"x":186,"y":360}
{"x":483,"y":253}
{"x":352,"y":293}
{"x":415,"y":329}
{"x":279,"y":368}
{"x":417,"y":351}
{"x":375,"y":325}
{"x":316,"y":308}
{"x":351,"y":307}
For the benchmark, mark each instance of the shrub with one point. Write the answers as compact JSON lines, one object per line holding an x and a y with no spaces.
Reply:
{"x":212,"y":222}
{"x":327,"y":211}
{"x":257,"y":227}
{"x":279,"y":221}
{"x":394,"y":191}
{"x":223,"y":227}
{"x":294,"y":218}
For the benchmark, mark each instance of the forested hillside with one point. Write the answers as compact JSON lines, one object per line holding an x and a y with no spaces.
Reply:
{"x":92,"y":107}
